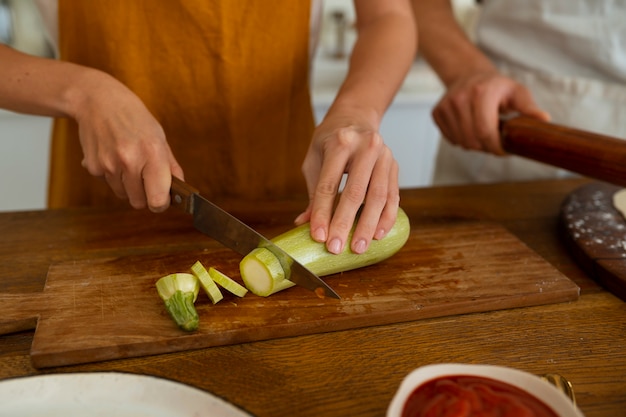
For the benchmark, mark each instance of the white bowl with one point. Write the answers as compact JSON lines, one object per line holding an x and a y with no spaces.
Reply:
{"x":532,"y":384}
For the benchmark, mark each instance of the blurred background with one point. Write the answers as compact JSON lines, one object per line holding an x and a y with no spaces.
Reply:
{"x":407,"y":126}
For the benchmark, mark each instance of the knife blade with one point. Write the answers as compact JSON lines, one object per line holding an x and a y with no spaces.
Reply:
{"x":236,"y":235}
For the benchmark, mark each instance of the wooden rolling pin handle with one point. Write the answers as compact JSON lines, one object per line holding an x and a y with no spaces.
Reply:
{"x":589,"y":154}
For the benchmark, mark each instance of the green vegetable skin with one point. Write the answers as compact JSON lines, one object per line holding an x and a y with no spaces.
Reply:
{"x":264,"y":275}
{"x":179,"y":292}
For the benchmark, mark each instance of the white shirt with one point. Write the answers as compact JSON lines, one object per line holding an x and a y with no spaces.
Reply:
{"x":571,"y":55}
{"x":583,"y":38}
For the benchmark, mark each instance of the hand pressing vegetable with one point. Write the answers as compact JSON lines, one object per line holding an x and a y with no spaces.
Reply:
{"x":179,"y":292}
{"x":264,"y":274}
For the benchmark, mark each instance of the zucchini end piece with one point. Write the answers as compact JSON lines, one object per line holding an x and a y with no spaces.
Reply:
{"x":179,"y":292}
{"x":181,"y":308}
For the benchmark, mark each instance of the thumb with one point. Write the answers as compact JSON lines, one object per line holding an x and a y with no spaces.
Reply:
{"x":536,"y":112}
{"x":524,"y":103}
{"x":304,"y":217}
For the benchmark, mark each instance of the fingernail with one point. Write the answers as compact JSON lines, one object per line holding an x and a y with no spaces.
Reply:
{"x":360,"y":246}
{"x":380,"y":233}
{"x":319,"y":234}
{"x":334,"y":246}
{"x":298,"y":219}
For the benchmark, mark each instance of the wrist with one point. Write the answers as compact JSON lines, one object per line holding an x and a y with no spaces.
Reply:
{"x":465,"y":68}
{"x":347,"y":113}
{"x":86,"y":89}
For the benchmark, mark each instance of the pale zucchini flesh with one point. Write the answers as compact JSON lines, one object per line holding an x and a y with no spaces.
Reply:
{"x":264,"y":275}
{"x":206,"y":282}
{"x":227,"y":283}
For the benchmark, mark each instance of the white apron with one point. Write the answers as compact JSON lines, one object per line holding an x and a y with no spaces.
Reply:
{"x":571,"y":54}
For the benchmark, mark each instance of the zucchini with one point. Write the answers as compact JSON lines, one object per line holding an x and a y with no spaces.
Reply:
{"x":206,"y":282}
{"x":227,"y":283}
{"x":179,"y":292}
{"x":264,"y":274}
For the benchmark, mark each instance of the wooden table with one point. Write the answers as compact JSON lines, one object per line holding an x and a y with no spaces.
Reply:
{"x":353,"y":372}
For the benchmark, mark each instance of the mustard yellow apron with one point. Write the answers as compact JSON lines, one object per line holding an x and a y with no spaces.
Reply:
{"x":228,"y":81}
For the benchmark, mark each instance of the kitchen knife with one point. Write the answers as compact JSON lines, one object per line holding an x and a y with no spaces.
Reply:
{"x":236,"y":235}
{"x":589,"y":154}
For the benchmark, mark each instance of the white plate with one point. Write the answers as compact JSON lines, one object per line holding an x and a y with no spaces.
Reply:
{"x":108,"y":394}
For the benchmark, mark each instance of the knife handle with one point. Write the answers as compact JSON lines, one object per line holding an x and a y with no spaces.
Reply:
{"x":181,"y":195}
{"x":589,"y":154}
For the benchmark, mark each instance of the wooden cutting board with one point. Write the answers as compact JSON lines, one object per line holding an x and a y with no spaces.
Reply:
{"x":102,"y":309}
{"x":596,"y":233}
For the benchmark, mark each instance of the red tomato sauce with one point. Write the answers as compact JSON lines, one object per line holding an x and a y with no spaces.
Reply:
{"x":472,"y":396}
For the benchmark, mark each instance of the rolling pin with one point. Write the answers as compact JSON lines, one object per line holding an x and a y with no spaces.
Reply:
{"x":589,"y":154}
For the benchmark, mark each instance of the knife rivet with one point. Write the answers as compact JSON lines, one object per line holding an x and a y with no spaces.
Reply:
{"x":178,"y":199}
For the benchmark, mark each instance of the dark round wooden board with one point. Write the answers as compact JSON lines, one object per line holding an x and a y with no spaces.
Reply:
{"x":596,"y":234}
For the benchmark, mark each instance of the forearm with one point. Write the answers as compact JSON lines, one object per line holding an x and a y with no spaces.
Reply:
{"x":41,"y":86}
{"x":444,"y":44}
{"x":380,"y":60}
